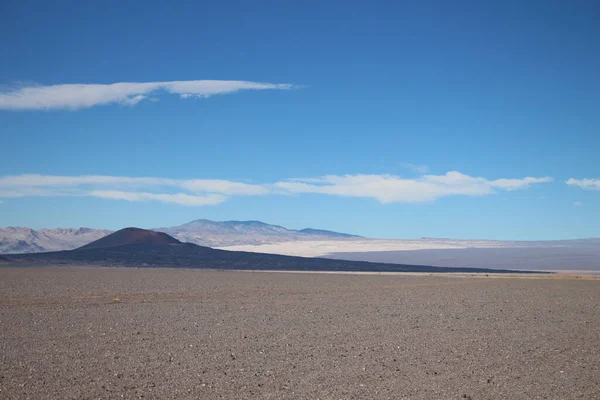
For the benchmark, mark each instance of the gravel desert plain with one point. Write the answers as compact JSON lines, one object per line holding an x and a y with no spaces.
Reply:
{"x":95,"y":333}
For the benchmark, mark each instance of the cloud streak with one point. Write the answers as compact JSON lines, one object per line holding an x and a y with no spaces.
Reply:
{"x":176,"y":198}
{"x":189,"y":192}
{"x":201,"y":192}
{"x":78,"y":96}
{"x":391,"y":189}
{"x":34,"y":181}
{"x":587,"y":184}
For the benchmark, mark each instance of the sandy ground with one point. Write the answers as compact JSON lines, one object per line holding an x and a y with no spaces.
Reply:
{"x":163,"y":333}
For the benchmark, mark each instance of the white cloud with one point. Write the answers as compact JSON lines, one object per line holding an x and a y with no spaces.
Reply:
{"x":390,"y":188}
{"x":589,"y":184}
{"x":197,"y":192}
{"x":36,"y":192}
{"x":177,"y":198}
{"x":514,"y":184}
{"x":223,"y":186}
{"x":76,"y":96}
{"x":578,"y":203}
{"x":33,"y":181}
{"x":200,"y":191}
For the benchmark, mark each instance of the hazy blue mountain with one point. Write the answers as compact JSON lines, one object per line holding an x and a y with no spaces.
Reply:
{"x":27,"y":240}
{"x":229,"y":233}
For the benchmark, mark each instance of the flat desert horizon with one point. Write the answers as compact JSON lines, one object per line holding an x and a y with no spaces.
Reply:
{"x":560,"y":256}
{"x":86,"y":332}
{"x":580,"y":256}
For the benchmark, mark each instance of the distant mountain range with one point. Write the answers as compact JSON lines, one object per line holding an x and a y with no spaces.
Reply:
{"x":231,"y":233}
{"x":201,"y":232}
{"x":259,"y":237}
{"x":26,"y":240}
{"x":133,"y":247}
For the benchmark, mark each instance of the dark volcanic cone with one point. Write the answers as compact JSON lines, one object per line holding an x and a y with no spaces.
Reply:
{"x":131,"y":236}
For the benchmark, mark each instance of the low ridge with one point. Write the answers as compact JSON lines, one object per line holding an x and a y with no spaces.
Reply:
{"x":325,"y":232}
{"x":131,"y":236}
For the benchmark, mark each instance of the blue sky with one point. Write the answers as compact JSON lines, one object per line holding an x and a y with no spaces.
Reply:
{"x":391,"y":119}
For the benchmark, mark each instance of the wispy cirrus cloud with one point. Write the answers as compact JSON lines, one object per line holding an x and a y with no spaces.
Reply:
{"x":77,"y":96}
{"x":588,"y":184}
{"x":177,"y":198}
{"x":200,"y":192}
{"x":64,"y":182}
{"x":390,"y":188}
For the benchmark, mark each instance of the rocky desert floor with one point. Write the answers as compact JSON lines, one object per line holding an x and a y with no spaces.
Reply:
{"x":99,"y":333}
